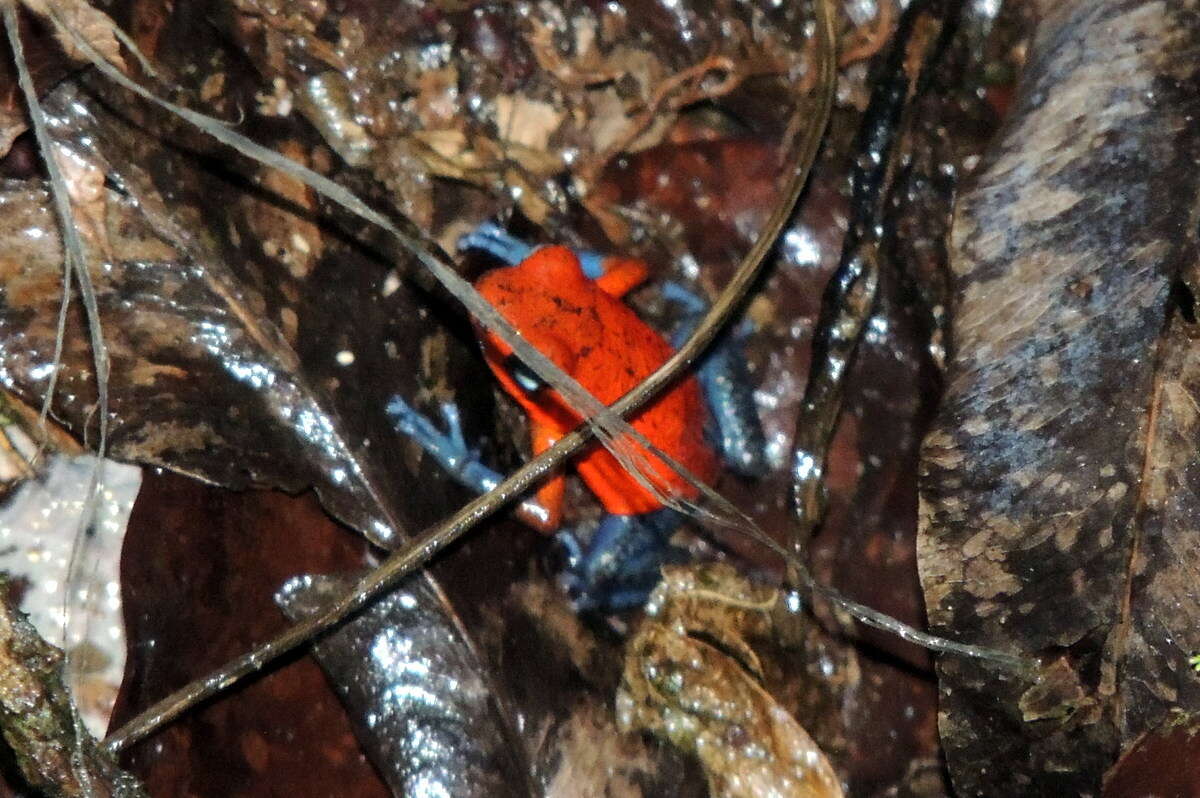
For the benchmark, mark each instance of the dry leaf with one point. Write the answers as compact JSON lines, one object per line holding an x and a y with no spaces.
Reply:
{"x":529,"y":123}
{"x":88,"y":22}
{"x":706,"y":699}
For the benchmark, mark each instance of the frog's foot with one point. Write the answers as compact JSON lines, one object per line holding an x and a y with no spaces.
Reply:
{"x":696,"y":306}
{"x":680,"y":294}
{"x":494,"y":240}
{"x":622,"y":563}
{"x":727,"y":387}
{"x":448,"y":448}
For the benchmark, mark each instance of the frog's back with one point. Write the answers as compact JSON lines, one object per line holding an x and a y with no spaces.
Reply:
{"x":603,"y":344}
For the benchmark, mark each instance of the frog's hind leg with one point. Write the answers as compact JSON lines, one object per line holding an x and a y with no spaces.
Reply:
{"x":550,"y":494}
{"x":622,"y":562}
{"x":727,"y":387}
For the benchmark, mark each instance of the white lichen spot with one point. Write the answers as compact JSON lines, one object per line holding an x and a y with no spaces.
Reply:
{"x":300,"y":243}
{"x":391,"y":284}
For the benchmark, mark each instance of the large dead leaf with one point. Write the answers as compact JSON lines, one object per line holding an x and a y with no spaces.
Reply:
{"x":226,"y":360}
{"x":1059,"y":497}
{"x":204,"y":381}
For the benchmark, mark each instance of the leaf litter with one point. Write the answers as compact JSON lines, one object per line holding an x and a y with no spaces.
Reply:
{"x":335,"y":148}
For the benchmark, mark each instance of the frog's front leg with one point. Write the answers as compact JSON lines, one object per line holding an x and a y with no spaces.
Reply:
{"x":461,"y":462}
{"x":622,"y":562}
{"x":727,"y":388}
{"x":614,"y":276}
{"x":448,"y":448}
{"x":494,"y":240}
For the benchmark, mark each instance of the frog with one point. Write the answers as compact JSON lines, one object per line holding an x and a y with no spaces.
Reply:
{"x":569,"y":305}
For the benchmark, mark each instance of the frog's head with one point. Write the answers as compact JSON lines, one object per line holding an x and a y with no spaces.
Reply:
{"x":538,"y":297}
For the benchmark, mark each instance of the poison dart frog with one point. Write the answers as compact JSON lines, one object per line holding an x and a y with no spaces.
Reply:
{"x":568,"y":305}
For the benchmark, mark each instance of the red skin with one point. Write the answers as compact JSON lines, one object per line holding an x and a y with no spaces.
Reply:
{"x":583,"y":327}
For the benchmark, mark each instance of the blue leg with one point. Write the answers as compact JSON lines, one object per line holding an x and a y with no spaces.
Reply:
{"x":448,"y":448}
{"x":592,"y":264}
{"x":620,"y":565}
{"x":726,"y":385}
{"x":494,"y":240}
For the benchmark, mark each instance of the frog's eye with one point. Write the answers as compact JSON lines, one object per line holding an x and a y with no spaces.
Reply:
{"x":522,"y":375}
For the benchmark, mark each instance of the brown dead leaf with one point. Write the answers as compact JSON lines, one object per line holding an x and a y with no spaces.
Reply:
{"x":1061,"y":494}
{"x":707,"y":698}
{"x":525,"y":121}
{"x":88,"y":22}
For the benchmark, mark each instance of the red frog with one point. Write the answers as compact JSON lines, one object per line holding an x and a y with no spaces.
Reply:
{"x":569,"y":307}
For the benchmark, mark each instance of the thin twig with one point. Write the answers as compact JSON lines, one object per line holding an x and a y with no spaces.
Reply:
{"x":850,"y":296}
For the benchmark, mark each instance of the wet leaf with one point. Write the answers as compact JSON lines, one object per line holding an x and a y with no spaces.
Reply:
{"x":415,"y":690}
{"x":1059,"y":496}
{"x":55,"y":754}
{"x":184,"y":327}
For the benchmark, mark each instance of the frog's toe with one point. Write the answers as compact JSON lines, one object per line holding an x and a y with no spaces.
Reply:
{"x":677,"y":292}
{"x":571,"y":548}
{"x":453,"y":421}
{"x":404,"y":418}
{"x":448,"y":447}
{"x":492,"y":239}
{"x":622,"y":562}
